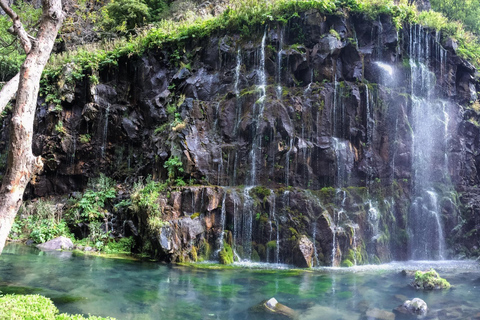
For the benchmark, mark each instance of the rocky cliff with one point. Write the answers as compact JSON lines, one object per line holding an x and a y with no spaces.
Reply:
{"x":328,"y":140}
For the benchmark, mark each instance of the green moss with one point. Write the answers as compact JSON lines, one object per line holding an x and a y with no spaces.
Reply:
{"x":260,"y":192}
{"x":255,"y":256}
{"x":226,"y":254}
{"x":195,"y":215}
{"x":204,"y":251}
{"x":272,"y":244}
{"x":33,"y":307}
{"x":429,"y":280}
{"x":347,"y":263}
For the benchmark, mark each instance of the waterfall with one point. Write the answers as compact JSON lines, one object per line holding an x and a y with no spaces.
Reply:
{"x":340,"y":148}
{"x":373,"y":220}
{"x":287,"y":162}
{"x":258,"y":114}
{"x":279,"y":66}
{"x":236,"y":224}
{"x":315,"y":250}
{"x":430,"y":137}
{"x":222,"y":225}
{"x":273,"y":220}
{"x":247,"y":223}
{"x":238,"y":104}
{"x":354,"y":235}
{"x":103,"y":147}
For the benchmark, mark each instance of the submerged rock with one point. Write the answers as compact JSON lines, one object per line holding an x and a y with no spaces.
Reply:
{"x":60,"y":243}
{"x":273,"y":307}
{"x":379,"y":314}
{"x":415,"y":307}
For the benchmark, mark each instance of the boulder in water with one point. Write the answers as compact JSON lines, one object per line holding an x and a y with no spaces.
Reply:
{"x":415,"y":307}
{"x":59,"y":243}
{"x":429,"y":280}
{"x":272,"y":306}
{"x":379,"y":314}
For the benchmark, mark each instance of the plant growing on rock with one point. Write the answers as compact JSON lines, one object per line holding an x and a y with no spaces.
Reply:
{"x":429,"y":280}
{"x":174,"y":166}
{"x":91,"y":205}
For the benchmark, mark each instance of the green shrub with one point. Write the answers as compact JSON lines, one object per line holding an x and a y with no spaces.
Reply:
{"x":34,"y":307}
{"x":123,"y":245}
{"x":40,"y":222}
{"x":91,"y":205}
{"x":174,"y":166}
{"x":145,"y":196}
{"x":125,"y":15}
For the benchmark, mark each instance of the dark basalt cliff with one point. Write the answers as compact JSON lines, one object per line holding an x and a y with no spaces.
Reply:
{"x":329,"y":140}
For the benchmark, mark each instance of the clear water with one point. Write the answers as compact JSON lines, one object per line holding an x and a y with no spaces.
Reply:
{"x":146,"y":290}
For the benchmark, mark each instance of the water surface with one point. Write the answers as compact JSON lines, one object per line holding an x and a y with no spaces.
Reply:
{"x":145,"y":290}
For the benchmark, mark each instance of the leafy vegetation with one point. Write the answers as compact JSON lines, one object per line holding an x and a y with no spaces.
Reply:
{"x":468,"y":45}
{"x":90,"y":206}
{"x":34,"y":307}
{"x":11,"y":53}
{"x":144,"y":197}
{"x":465,"y":11}
{"x":246,"y":16}
{"x":40,"y":222}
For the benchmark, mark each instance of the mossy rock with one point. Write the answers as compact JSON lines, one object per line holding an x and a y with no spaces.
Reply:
{"x":429,"y":280}
{"x":347,"y":263}
{"x":272,"y":244}
{"x":226,"y":254}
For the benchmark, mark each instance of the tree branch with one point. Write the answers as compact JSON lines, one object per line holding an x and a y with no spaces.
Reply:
{"x":17,"y":26}
{"x":8,"y":91}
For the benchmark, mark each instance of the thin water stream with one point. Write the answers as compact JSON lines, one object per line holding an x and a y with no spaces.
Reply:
{"x":146,"y":290}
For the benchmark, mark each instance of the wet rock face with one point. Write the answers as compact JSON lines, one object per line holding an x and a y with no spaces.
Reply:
{"x":319,"y":113}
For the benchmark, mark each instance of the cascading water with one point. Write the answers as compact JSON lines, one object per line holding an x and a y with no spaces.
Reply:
{"x":257,"y":113}
{"x":273,"y":220}
{"x":236,"y":224}
{"x":429,"y":148}
{"x":279,"y":66}
{"x":223,"y":214}
{"x":340,"y":148}
{"x":315,"y":250}
{"x":287,"y":162}
{"x":247,"y":224}
{"x":103,"y":147}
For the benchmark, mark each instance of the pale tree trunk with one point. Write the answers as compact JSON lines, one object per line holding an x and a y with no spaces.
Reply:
{"x":21,"y":163}
{"x":8,"y":91}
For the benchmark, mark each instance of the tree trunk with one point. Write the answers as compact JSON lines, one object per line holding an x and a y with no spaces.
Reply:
{"x":22,"y":165}
{"x":8,"y":91}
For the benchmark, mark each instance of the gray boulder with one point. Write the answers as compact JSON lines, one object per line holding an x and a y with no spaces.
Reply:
{"x":416,"y":308}
{"x":60,"y":243}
